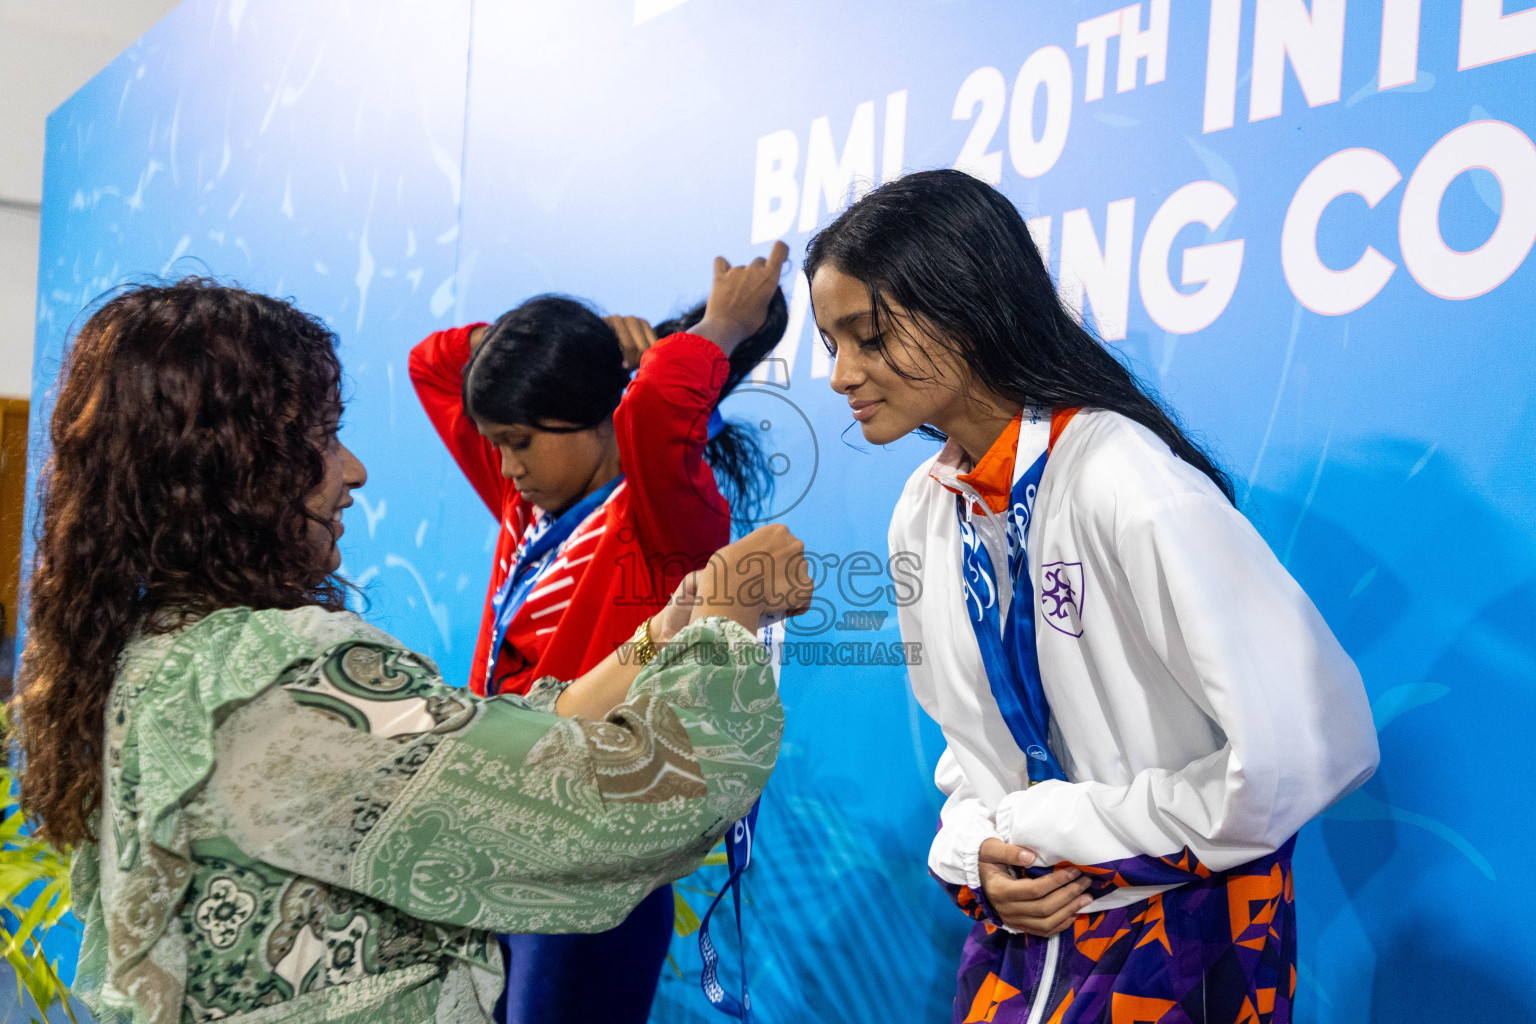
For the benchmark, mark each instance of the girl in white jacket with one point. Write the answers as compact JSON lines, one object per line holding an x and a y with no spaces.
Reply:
{"x":1141,"y":705}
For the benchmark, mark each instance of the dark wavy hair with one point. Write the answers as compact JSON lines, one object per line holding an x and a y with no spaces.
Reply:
{"x":955,"y":252}
{"x":188,"y":431}
{"x":554,"y":360}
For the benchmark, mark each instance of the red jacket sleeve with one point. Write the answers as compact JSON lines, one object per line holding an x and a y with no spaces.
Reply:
{"x":437,"y":372}
{"x":662,"y":425}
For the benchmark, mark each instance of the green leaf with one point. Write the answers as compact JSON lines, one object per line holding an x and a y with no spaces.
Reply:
{"x":39,"y":984}
{"x":26,"y":861}
{"x":18,"y":961}
{"x":10,"y":827}
{"x":684,"y":920}
{"x":34,"y":915}
{"x":15,"y":877}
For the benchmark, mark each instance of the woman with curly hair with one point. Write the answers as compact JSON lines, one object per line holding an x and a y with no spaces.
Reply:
{"x":279,"y":812}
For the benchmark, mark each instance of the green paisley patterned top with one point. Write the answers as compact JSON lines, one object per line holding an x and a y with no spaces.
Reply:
{"x":301,"y":822}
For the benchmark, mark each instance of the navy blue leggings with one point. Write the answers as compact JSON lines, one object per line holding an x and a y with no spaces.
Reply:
{"x":609,"y":977}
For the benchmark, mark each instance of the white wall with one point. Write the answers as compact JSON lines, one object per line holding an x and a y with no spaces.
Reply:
{"x":48,"y":48}
{"x":18,"y":291}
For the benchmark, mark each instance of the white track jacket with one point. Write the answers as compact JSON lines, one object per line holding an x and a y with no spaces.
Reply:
{"x":1197,"y":697}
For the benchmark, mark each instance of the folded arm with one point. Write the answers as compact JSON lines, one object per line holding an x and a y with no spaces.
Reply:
{"x":1246,"y":645}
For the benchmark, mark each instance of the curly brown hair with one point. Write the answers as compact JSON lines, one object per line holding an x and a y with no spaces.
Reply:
{"x":187,"y":435}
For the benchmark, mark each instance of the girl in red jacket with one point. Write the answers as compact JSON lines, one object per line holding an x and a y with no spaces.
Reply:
{"x":606,"y":501}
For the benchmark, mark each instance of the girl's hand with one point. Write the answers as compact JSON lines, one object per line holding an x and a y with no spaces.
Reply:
{"x":738,"y":301}
{"x":635,"y":336}
{"x":1036,"y":906}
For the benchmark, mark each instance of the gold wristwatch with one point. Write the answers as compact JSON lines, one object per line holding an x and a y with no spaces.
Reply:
{"x":645,"y":647}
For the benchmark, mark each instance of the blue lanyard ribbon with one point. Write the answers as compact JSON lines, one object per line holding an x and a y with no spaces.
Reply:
{"x":534,"y":557}
{"x":738,"y":856}
{"x":1008,"y":650}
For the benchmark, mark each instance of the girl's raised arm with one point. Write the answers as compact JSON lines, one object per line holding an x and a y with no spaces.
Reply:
{"x":662,"y":424}
{"x":437,"y":372}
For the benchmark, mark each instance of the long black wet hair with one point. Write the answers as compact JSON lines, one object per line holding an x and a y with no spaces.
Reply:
{"x":955,"y":252}
{"x":553,"y":360}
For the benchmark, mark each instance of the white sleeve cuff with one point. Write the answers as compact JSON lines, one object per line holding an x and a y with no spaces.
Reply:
{"x":956,"y":850}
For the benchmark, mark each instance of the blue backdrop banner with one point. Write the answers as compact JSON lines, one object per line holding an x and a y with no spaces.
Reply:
{"x":1309,"y":224}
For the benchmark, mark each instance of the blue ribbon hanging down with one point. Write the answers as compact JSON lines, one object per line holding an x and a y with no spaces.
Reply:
{"x":738,"y":855}
{"x":534,"y":557}
{"x":1008,"y":651}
